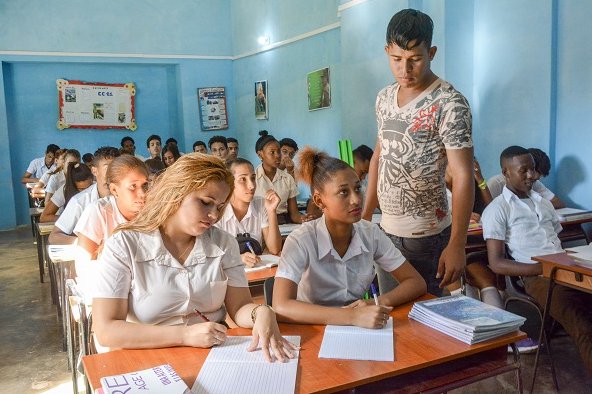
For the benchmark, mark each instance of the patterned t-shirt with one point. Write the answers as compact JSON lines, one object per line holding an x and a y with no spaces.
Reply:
{"x":413,"y":142}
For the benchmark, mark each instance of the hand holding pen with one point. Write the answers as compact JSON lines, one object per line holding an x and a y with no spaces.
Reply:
{"x":250,"y":259}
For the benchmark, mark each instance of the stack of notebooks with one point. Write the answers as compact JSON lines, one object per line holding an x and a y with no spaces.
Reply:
{"x":466,"y":319}
{"x":572,"y":214}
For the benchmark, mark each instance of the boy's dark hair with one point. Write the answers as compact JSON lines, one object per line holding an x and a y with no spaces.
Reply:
{"x":542,"y":163}
{"x":218,"y":138}
{"x":105,"y":152}
{"x":171,"y":140}
{"x":265,"y":139}
{"x":289,"y":142}
{"x":512,"y":151}
{"x":152,"y":137}
{"x":77,"y":172}
{"x":127,"y":138}
{"x":196,"y":143}
{"x":231,"y":139}
{"x":87,"y":158}
{"x":363,"y":152}
{"x":410,"y":27}
{"x":51,"y":148}
{"x":154,"y":165}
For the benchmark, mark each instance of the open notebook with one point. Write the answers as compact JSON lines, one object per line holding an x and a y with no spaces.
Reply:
{"x":356,"y":343}
{"x":267,"y":261}
{"x":229,"y":368}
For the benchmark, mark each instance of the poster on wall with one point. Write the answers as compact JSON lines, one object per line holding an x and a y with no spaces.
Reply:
{"x":212,"y":108}
{"x":319,"y":89}
{"x":96,"y":105}
{"x":261,"y":104}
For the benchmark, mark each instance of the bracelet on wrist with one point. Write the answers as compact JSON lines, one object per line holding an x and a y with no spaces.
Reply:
{"x":254,"y":311}
{"x":482,"y":185}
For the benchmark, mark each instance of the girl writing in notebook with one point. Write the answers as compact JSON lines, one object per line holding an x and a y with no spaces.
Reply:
{"x":249,"y":214}
{"x":169,"y":277}
{"x":328,"y":264}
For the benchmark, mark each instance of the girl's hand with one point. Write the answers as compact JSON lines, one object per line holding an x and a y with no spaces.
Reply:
{"x":204,"y":335}
{"x":370,"y":316}
{"x":478,"y":174}
{"x":250,"y":259}
{"x":267,"y":333}
{"x":475,"y":217}
{"x":272,"y":200}
{"x":359,"y":303}
{"x":288,"y":163}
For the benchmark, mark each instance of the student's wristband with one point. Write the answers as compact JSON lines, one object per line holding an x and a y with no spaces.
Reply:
{"x":254,"y":311}
{"x":482,"y":185}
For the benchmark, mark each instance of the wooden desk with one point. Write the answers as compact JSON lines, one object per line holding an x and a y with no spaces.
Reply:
{"x":418,"y":350}
{"x":560,"y":268}
{"x":35,"y":213}
{"x":42,"y":234}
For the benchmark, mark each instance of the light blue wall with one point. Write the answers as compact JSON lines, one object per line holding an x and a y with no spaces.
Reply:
{"x":573,"y":163}
{"x":167,"y":51}
{"x":512,"y":98}
{"x":182,"y":27}
{"x":521,"y":64}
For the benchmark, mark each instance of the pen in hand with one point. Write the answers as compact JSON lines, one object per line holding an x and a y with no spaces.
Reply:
{"x":251,"y":248}
{"x":374,"y":293}
{"x":198,"y":313}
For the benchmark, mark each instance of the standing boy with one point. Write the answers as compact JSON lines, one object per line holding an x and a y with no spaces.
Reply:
{"x":423,"y":124}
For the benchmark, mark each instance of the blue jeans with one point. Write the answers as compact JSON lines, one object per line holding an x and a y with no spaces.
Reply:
{"x":423,"y":254}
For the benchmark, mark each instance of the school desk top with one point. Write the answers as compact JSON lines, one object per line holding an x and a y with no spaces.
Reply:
{"x":417,"y":349}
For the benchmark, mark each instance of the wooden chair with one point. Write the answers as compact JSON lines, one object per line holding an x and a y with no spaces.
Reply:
{"x":78,"y":332}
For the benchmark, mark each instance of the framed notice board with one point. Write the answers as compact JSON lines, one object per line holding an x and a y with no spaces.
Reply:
{"x":212,"y":108}
{"x":96,"y":105}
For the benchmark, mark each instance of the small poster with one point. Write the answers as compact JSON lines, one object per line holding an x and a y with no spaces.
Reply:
{"x":261,"y":103}
{"x":319,"y":89}
{"x":212,"y":108}
{"x":96,"y":105}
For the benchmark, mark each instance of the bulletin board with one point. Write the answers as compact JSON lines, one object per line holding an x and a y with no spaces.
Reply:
{"x":212,"y":108}
{"x":96,"y":105}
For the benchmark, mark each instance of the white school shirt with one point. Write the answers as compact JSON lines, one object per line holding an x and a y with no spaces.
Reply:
{"x":323,"y":277}
{"x":69,"y":217}
{"x":56,"y":181}
{"x":37,"y":167}
{"x":137,"y":266}
{"x":59,"y":199}
{"x":99,"y":219}
{"x":283,"y":184}
{"x":254,"y":221}
{"x":496,"y":185}
{"x":526,"y":232}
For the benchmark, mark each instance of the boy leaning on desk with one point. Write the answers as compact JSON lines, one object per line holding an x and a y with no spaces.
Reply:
{"x":525,"y":224}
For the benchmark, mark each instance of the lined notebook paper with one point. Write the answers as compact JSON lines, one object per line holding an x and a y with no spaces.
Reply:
{"x":229,"y":368}
{"x":267,"y":261}
{"x":356,"y":343}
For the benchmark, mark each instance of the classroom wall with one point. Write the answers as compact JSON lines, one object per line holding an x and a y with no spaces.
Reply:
{"x":169,"y":57}
{"x":573,"y":139}
{"x":519,"y":63}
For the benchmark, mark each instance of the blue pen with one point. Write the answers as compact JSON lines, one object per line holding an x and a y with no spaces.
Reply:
{"x":374,"y":293}
{"x":250,"y":248}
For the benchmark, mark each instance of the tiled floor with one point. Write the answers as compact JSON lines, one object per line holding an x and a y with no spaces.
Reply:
{"x":32,"y":360}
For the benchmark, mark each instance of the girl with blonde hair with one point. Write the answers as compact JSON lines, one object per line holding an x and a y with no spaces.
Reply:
{"x":168,"y":277}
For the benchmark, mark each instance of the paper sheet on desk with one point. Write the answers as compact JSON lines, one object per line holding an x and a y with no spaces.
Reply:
{"x":356,"y":343}
{"x":229,"y":368}
{"x":267,"y":261}
{"x":582,"y":255}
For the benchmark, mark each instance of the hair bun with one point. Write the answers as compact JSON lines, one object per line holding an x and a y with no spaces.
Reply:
{"x":263,"y":133}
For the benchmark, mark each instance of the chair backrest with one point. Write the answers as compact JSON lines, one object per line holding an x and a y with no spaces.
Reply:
{"x":268,"y":290}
